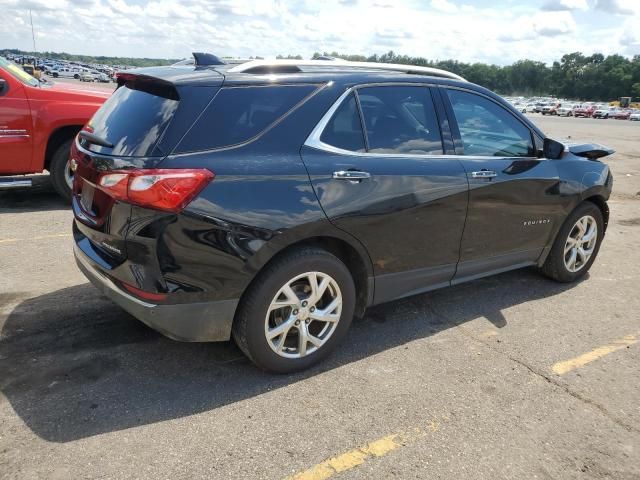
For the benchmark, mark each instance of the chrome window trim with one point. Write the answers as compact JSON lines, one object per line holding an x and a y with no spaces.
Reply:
{"x":313,"y":140}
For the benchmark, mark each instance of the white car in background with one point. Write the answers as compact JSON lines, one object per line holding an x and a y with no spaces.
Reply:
{"x":564,"y":111}
{"x":66,"y":72}
{"x":635,"y":116}
{"x":602,"y":112}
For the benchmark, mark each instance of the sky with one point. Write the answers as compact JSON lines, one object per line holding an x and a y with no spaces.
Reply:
{"x":492,"y":31}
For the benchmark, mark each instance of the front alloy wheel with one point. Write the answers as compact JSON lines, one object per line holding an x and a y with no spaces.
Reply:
{"x":580,"y":243}
{"x":576,"y":245}
{"x":303,"y":315}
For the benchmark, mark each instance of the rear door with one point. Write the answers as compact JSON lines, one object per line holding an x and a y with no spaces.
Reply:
{"x":514,"y":196}
{"x":377,"y":164}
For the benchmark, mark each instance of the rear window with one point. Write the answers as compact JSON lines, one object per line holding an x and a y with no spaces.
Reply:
{"x":237,"y":114}
{"x":133,"y":120}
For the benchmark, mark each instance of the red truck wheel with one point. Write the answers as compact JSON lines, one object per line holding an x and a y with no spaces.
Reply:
{"x":61,"y":175}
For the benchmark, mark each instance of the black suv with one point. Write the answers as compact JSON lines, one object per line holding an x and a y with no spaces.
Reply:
{"x":275,"y":201}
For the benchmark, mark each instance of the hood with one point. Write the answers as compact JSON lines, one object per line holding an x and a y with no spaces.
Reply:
{"x":71,"y":89}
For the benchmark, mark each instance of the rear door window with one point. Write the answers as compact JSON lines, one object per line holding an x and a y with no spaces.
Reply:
{"x":344,"y":130}
{"x":133,"y":120}
{"x":238,"y":114}
{"x":400,"y":120}
{"x":487,"y":129}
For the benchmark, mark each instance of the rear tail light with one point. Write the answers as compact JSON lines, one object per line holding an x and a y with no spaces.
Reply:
{"x":163,"y":189}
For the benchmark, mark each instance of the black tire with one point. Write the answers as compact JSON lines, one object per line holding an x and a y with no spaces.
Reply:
{"x":554,"y":266}
{"x":76,"y":76}
{"x":249,"y":323}
{"x":55,"y":75}
{"x":57,"y":169}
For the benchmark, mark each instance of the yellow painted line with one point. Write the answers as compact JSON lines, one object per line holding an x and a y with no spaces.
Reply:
{"x":40,"y":237}
{"x":561,"y":368}
{"x":358,"y":456}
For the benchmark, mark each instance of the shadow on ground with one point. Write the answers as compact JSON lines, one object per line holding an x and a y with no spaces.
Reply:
{"x":73,"y":365}
{"x":40,"y":197}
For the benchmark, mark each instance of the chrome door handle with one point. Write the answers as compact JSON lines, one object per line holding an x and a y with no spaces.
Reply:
{"x":484,"y":174}
{"x":354,"y":175}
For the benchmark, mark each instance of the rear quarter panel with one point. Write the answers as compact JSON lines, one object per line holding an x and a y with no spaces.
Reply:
{"x":260,"y":202}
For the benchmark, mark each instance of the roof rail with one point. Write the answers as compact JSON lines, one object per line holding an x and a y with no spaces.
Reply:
{"x":291,"y":66}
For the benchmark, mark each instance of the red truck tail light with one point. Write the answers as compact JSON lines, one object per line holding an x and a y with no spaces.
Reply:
{"x":162,"y":189}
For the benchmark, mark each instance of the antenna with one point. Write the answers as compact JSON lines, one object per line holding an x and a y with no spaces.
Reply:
{"x":33,"y":36}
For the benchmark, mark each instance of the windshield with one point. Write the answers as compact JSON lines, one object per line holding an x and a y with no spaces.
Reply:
{"x":18,"y":73}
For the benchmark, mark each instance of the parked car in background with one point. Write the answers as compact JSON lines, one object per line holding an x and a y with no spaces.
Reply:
{"x":585,"y":111}
{"x":31,"y":70}
{"x":635,"y":116}
{"x":222,"y":201}
{"x":92,"y":76}
{"x":601,"y":113}
{"x":37,"y":124}
{"x":528,"y":108}
{"x":549,"y":109}
{"x":620,"y":114}
{"x":66,"y":72}
{"x":87,"y":77}
{"x":564,"y":111}
{"x":102,"y":77}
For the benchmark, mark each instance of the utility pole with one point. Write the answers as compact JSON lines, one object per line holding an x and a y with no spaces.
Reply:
{"x":33,"y":35}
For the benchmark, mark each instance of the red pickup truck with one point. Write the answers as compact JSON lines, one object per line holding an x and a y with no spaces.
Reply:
{"x":38,"y":122}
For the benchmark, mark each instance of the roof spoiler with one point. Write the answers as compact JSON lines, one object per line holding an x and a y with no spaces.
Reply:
{"x":206,"y":59}
{"x":149,"y":84}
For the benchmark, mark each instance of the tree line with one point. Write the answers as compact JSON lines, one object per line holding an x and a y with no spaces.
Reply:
{"x":575,"y":76}
{"x":102,"y":60}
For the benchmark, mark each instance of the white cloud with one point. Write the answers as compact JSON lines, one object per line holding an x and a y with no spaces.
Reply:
{"x":444,"y":6}
{"x":440,"y":29}
{"x":619,"y":7}
{"x":551,"y":24}
{"x":560,"y":5}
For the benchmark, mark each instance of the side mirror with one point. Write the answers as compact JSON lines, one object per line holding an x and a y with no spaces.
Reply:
{"x":552,"y":149}
{"x":3,"y":84}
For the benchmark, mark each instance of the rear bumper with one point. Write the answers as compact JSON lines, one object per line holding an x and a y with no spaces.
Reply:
{"x":190,"y":322}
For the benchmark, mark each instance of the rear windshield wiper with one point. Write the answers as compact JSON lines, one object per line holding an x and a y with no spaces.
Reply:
{"x":96,"y":140}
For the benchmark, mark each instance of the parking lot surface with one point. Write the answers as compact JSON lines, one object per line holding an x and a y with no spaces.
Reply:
{"x":512,"y":376}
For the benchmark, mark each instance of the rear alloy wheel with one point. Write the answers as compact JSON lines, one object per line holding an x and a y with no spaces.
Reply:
{"x":296,"y":311}
{"x":303,"y":315}
{"x":576,"y":245}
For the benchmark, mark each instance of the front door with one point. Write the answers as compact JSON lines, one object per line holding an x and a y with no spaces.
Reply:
{"x":15,"y":126}
{"x":514,"y":196}
{"x":389,"y":185}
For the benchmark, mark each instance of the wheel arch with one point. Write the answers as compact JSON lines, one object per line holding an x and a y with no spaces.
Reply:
{"x":57,"y":138}
{"x":601,"y":203}
{"x":596,"y":199}
{"x":354,"y":257}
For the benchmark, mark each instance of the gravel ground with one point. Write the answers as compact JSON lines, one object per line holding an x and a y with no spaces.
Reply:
{"x":463,"y":377}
